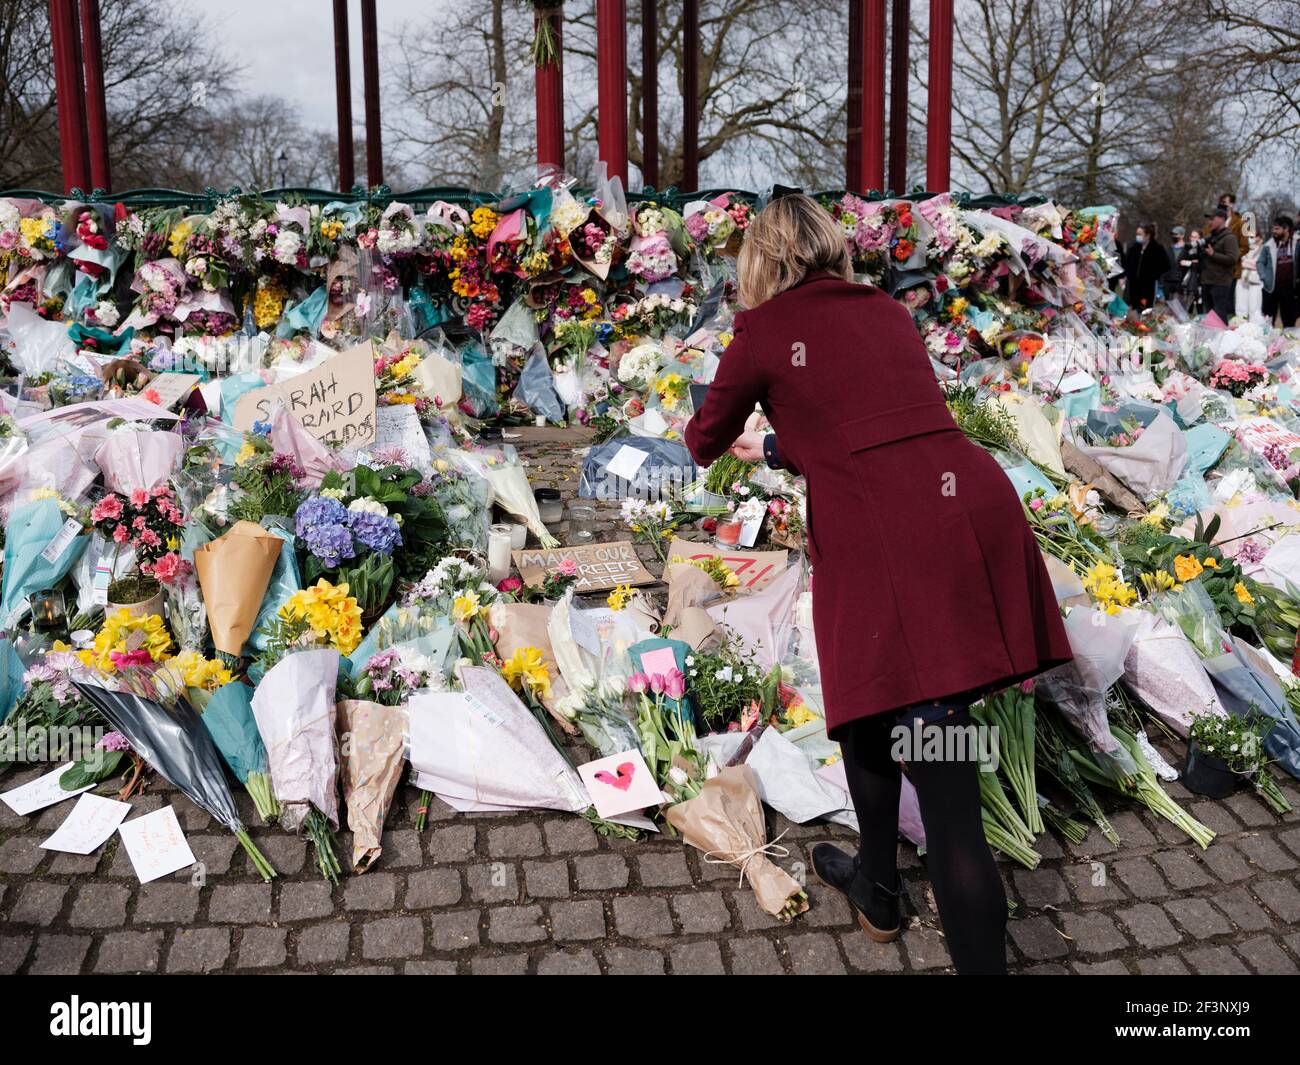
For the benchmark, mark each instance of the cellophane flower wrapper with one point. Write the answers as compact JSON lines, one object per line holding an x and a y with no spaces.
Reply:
{"x":764,"y":620}
{"x":1153,"y":462}
{"x":294,"y":709}
{"x":484,"y":745}
{"x":511,"y":490}
{"x":131,"y":460}
{"x":172,"y":739}
{"x":725,"y":820}
{"x":1163,"y":670}
{"x":27,"y":533}
{"x":285,"y":580}
{"x":289,"y":436}
{"x":1078,"y":689}
{"x":11,"y":677}
{"x":372,"y":742}
{"x":229,"y":720}
{"x":1248,"y":687}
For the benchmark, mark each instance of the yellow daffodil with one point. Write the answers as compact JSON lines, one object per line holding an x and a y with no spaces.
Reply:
{"x":466,"y":606}
{"x":618,"y":598}
{"x":1107,"y":589}
{"x":1160,"y":581}
{"x":526,"y":668}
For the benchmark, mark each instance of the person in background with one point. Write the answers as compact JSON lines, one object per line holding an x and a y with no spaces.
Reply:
{"x":1237,"y":224}
{"x":1218,"y":262}
{"x":1249,"y":291}
{"x":1145,"y":263}
{"x":1276,"y":264}
{"x":1171,"y":282}
{"x":1191,"y":264}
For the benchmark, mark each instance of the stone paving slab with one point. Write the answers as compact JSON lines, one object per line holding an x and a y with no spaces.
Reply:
{"x":541,"y":892}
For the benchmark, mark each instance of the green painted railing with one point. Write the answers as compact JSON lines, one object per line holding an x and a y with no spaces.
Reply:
{"x":382,"y":195}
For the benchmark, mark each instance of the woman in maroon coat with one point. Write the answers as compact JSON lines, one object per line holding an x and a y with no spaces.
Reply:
{"x":928,"y":586}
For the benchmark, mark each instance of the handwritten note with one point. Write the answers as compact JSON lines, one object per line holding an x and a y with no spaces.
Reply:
{"x":91,"y":822}
{"x":39,"y":793}
{"x":156,"y":845}
{"x":398,"y":429}
{"x":334,"y":402}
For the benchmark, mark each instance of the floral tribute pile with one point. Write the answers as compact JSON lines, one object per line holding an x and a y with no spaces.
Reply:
{"x":226,"y":600}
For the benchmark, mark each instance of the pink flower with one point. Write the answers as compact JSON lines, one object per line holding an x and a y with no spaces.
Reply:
{"x":139,"y":497}
{"x":171,"y":567}
{"x":509,"y":584}
{"x":107,"y":508}
{"x":1035,"y":504}
{"x":657,"y":683}
{"x":149,"y":538}
{"x":569,"y":567}
{"x":674,"y":684}
{"x":125,"y":659}
{"x":638,"y":683}
{"x":119,"y":534}
{"x":114,"y":741}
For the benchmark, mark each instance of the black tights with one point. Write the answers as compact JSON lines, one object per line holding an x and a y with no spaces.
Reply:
{"x":967,"y":887}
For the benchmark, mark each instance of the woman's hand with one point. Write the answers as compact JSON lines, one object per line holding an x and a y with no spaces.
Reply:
{"x":748,"y":446}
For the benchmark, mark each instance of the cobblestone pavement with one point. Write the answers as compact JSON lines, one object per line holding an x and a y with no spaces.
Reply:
{"x":542,"y":893}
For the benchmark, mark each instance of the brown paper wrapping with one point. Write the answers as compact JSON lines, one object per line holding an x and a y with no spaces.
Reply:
{"x":687,"y":586}
{"x":697,"y":628}
{"x":1089,"y":469}
{"x":725,"y":821}
{"x":370,"y":766}
{"x":234,"y":571}
{"x":520,"y":625}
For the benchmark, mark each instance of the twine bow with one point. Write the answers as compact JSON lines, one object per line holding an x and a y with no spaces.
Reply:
{"x":767,"y":850}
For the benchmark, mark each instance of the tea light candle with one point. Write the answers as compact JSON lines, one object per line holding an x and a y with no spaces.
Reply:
{"x":582,"y":520}
{"x":498,"y":553}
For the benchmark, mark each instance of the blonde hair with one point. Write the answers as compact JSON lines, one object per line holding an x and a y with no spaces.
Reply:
{"x":787,"y":240}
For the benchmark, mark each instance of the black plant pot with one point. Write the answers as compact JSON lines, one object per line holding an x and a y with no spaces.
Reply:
{"x":1207,"y":775}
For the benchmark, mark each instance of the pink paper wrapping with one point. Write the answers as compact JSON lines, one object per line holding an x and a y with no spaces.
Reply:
{"x":294,"y":710}
{"x":289,"y":436}
{"x":370,"y":739}
{"x":131,"y":460}
{"x":764,"y":619}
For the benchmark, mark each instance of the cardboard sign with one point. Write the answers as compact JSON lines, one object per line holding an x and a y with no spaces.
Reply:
{"x":600,"y":566}
{"x":756,"y":569}
{"x":334,"y":402}
{"x":172,"y":387}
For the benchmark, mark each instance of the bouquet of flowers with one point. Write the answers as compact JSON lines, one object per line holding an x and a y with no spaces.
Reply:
{"x":147,"y":521}
{"x":1238,"y":743}
{"x":323,"y":615}
{"x":1237,"y":377}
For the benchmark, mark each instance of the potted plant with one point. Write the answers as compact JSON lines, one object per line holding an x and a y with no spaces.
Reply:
{"x":148,"y":522}
{"x":1223,"y":751}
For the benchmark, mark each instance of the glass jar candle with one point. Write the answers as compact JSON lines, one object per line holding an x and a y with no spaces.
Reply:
{"x":48,"y":611}
{"x":728,"y":531}
{"x":498,"y":553}
{"x":549,"y":505}
{"x":582,"y":522}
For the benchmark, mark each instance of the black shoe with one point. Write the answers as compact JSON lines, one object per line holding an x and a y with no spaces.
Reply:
{"x":878,"y":909}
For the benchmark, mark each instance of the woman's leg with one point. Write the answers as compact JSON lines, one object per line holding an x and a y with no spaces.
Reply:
{"x":967,"y":887}
{"x":875,"y":780}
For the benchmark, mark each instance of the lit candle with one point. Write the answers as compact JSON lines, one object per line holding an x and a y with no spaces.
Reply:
{"x":498,"y":553}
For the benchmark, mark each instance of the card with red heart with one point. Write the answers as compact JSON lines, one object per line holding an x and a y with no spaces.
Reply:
{"x":620,"y":783}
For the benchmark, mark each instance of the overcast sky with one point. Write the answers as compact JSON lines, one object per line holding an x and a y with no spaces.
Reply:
{"x":287,"y":46}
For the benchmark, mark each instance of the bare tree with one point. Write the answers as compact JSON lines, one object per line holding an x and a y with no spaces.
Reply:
{"x":260,"y":142}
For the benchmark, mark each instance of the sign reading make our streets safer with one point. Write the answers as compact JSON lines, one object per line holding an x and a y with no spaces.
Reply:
{"x":335,"y":402}
{"x":600,"y":566}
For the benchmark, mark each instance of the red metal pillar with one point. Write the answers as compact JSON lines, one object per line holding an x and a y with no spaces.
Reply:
{"x":873,"y":96}
{"x":853,"y":131}
{"x":343,"y":97}
{"x":72,"y":150}
{"x":549,"y":83}
{"x":898,"y":84}
{"x":370,"y":70}
{"x":650,"y":92}
{"x":96,"y":105}
{"x":611,"y":85}
{"x":690,"y":95}
{"x":938,"y":134}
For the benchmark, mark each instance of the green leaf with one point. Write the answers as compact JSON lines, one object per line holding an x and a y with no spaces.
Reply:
{"x":81,"y":774}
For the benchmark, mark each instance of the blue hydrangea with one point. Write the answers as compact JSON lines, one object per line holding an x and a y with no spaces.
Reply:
{"x":375,"y":531}
{"x":330,"y":543}
{"x":319,"y":510}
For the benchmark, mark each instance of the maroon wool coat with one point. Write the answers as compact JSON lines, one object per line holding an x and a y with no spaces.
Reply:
{"x":927,"y":581}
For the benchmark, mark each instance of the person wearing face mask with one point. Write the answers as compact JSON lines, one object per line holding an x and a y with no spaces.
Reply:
{"x":1191,"y":264}
{"x":1171,"y":283}
{"x":1145,"y":262}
